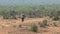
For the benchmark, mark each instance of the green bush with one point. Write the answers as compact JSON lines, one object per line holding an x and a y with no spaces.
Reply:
{"x":34,"y":28}
{"x":43,"y":24}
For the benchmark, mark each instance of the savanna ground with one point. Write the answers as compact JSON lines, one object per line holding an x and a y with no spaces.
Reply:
{"x":11,"y":26}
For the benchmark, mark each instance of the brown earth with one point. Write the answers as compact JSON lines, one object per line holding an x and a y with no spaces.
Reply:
{"x":10,"y":26}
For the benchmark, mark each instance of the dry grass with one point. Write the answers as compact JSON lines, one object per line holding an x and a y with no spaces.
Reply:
{"x":11,"y":26}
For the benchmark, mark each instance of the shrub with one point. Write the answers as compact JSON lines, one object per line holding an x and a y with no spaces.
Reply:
{"x":14,"y":17}
{"x":9,"y":32}
{"x":5,"y":17}
{"x":43,"y":24}
{"x":14,"y":26}
{"x":20,"y":25}
{"x":55,"y":24}
{"x":39,"y":23}
{"x":9,"y":17}
{"x":56,"y":18}
{"x":34,"y":28}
